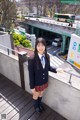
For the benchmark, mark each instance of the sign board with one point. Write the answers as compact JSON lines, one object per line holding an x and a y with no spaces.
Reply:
{"x":74,"y":51}
{"x":22,"y":30}
{"x":70,"y":1}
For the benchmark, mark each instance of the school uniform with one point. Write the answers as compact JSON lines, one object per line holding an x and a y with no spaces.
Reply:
{"x":38,"y":75}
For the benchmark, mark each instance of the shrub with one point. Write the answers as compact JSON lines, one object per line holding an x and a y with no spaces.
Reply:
{"x":21,"y":40}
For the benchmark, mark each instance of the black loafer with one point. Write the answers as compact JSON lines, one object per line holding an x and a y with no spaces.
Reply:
{"x":42,"y":108}
{"x":38,"y":110}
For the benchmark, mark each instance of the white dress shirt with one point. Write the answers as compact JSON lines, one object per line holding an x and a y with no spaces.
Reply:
{"x":42,"y":60}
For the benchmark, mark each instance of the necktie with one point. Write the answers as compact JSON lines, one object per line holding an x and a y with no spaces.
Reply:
{"x":43,"y":61}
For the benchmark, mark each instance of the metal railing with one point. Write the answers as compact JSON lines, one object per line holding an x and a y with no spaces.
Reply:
{"x":8,"y":50}
{"x":71,"y":74}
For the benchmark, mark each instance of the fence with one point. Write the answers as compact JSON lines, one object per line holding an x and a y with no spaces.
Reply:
{"x":71,"y":74}
{"x":8,"y":50}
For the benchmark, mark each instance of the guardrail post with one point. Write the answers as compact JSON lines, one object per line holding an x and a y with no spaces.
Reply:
{"x":22,"y":58}
{"x":8,"y":51}
{"x":70,"y":78}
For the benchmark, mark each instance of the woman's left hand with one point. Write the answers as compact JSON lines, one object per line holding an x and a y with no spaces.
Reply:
{"x":60,"y":70}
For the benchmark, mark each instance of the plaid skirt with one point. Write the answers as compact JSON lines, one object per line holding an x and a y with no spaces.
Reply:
{"x":41,"y":88}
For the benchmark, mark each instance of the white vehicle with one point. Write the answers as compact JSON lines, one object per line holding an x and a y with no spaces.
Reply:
{"x":57,"y":39}
{"x":56,"y":42}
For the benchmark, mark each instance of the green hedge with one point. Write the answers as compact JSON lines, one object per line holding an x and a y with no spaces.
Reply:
{"x":20,"y":40}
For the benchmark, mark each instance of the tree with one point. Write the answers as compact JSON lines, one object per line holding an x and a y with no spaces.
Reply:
{"x":8,"y":12}
{"x":49,"y":7}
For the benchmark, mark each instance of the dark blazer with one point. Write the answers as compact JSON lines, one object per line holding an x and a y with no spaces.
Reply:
{"x":37,"y":75}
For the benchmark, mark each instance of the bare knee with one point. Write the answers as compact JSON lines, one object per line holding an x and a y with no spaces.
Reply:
{"x":41,"y":93}
{"x":36,"y":95}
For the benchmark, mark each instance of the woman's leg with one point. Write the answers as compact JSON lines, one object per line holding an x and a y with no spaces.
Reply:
{"x":36,"y":95}
{"x":41,"y":93}
{"x":35,"y":100}
{"x":40,"y":99}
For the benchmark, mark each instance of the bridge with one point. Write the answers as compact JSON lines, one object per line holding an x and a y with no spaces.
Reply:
{"x":42,"y":24}
{"x":50,"y":25}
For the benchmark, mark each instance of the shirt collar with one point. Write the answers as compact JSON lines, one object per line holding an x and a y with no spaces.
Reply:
{"x":40,"y":55}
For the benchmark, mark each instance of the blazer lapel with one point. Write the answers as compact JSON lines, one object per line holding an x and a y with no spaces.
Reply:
{"x":39,"y":61}
{"x":45,"y":62}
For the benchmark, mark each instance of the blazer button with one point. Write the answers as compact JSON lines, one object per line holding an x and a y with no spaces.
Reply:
{"x":43,"y":74}
{"x":44,"y":78}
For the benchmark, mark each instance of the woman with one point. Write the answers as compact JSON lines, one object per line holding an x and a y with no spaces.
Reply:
{"x":38,"y":66}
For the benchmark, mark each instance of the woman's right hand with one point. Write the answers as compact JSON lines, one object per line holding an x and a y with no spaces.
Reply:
{"x":60,"y":70}
{"x":33,"y":90}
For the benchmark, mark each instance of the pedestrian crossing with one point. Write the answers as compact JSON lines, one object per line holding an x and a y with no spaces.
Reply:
{"x":55,"y":61}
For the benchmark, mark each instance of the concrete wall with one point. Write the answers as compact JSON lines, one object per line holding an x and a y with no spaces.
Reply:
{"x":60,"y":96}
{"x":9,"y":67}
{"x":5,"y":40}
{"x":26,"y":77}
{"x":63,"y":98}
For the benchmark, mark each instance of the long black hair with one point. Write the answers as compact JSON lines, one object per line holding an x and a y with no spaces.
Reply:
{"x":40,"y":40}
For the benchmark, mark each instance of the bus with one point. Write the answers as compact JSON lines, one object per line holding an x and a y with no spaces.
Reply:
{"x":64,"y":17}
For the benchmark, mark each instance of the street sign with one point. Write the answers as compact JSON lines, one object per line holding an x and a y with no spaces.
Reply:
{"x":74,"y":51}
{"x":70,"y":1}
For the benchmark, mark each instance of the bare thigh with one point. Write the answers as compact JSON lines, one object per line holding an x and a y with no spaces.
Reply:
{"x":41,"y":93}
{"x":37,"y":94}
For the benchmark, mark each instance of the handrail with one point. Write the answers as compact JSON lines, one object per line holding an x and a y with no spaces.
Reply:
{"x":71,"y":75}
{"x":9,"y":49}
